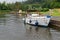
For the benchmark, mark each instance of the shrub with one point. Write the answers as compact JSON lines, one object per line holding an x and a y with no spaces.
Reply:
{"x":44,"y":9}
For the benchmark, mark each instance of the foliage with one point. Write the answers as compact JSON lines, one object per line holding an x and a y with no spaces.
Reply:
{"x":42,"y":5}
{"x":10,"y":6}
{"x":45,"y":3}
{"x":45,"y":9}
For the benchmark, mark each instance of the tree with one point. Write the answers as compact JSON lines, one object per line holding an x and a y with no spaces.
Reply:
{"x":17,"y":5}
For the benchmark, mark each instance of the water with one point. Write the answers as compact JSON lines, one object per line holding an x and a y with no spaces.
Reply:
{"x":12,"y":28}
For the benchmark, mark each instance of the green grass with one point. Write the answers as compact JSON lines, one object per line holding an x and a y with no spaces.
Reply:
{"x":3,"y":12}
{"x":54,"y":13}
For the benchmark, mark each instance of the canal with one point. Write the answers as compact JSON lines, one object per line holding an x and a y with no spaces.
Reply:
{"x":12,"y":28}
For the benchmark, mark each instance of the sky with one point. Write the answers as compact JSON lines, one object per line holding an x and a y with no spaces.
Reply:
{"x":11,"y":1}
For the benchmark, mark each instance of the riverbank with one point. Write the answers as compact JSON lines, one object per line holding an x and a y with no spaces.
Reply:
{"x":54,"y":12}
{"x":3,"y":12}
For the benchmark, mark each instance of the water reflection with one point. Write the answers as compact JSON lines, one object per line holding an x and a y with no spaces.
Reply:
{"x":38,"y":33}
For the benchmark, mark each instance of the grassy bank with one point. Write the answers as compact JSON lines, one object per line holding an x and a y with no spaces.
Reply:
{"x":55,"y":12}
{"x":3,"y":12}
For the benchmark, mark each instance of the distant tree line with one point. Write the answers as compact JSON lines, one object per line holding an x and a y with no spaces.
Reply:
{"x":31,"y":4}
{"x":45,"y":3}
{"x":10,"y":6}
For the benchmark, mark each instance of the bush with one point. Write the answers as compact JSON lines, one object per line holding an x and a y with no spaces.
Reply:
{"x":44,"y":9}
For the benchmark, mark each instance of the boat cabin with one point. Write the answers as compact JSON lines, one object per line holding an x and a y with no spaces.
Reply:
{"x":33,"y":12}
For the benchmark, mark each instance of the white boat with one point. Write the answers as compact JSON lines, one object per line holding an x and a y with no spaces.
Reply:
{"x":36,"y":19}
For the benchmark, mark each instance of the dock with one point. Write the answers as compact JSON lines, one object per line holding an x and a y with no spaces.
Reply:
{"x":55,"y":23}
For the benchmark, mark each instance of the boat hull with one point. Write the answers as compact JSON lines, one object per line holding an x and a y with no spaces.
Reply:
{"x":41,"y":21}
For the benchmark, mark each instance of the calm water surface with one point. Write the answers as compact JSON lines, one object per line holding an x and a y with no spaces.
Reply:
{"x":12,"y":28}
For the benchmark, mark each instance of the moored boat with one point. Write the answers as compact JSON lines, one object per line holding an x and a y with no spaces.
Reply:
{"x":36,"y":19}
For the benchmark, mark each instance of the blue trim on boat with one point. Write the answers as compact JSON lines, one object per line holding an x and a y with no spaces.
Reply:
{"x":48,"y":16}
